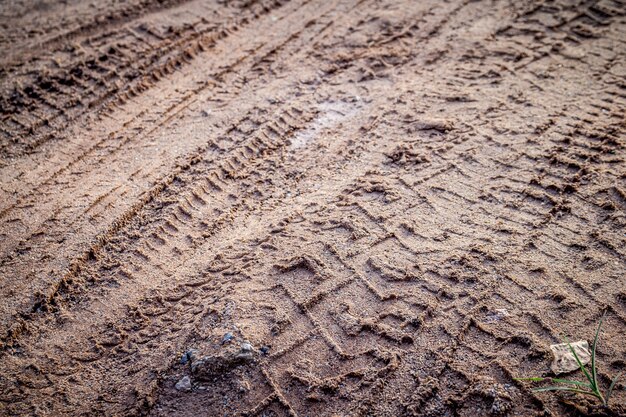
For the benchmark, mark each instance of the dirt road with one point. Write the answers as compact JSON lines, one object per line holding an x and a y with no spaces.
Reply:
{"x":308,"y":207}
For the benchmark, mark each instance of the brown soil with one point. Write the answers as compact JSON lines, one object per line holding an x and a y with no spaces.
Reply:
{"x":399,"y":205}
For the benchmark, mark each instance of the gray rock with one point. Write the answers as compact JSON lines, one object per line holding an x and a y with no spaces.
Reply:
{"x":184,"y":384}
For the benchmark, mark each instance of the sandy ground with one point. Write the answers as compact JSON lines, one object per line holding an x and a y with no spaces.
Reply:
{"x":308,"y":207}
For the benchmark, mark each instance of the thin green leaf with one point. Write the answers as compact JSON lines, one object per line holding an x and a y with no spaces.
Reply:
{"x":593,"y":351}
{"x":569,"y":381}
{"x":580,"y":364}
{"x":533,"y":379}
{"x":556,"y":388}
{"x":608,"y":393}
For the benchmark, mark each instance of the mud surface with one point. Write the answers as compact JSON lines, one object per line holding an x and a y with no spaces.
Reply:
{"x":308,"y":207}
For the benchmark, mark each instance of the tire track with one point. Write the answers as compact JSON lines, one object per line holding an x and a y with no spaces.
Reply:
{"x":51,"y":284}
{"x":404,"y":206}
{"x":110,"y":69}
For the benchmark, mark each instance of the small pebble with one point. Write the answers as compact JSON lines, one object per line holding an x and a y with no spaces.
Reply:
{"x":246,"y":352}
{"x":187,"y":356}
{"x":227,"y":337}
{"x":184,"y":384}
{"x":265,"y":350}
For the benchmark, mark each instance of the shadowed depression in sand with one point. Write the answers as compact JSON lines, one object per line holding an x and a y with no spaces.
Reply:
{"x":309,"y":207}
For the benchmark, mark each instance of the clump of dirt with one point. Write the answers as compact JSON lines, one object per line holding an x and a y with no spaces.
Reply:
{"x":226,"y":359}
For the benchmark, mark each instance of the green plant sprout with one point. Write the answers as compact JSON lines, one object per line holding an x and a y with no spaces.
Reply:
{"x":591,"y":387}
